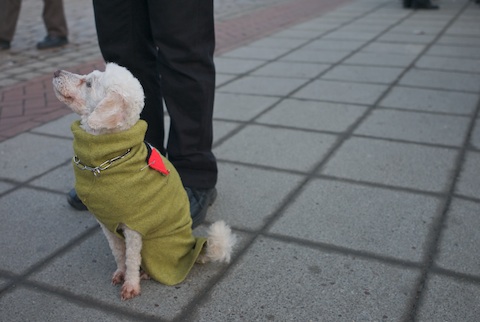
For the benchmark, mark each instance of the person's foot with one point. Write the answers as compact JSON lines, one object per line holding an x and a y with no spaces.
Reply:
{"x":74,"y":201}
{"x":4,"y":45}
{"x":200,"y":200}
{"x":52,"y":42}
{"x":407,"y":3}
{"x":423,"y":5}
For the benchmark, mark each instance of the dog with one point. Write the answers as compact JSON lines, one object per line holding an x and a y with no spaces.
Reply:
{"x":134,"y":192}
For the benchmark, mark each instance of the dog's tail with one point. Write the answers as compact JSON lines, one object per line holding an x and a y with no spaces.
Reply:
{"x":220,"y":243}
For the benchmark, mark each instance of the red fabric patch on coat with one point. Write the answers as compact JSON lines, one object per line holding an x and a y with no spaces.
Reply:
{"x":155,"y":161}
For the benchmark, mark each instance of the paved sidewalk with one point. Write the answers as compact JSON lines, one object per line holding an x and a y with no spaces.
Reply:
{"x":349,"y":152}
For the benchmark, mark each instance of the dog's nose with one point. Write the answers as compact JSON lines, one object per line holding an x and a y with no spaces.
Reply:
{"x":57,"y":73}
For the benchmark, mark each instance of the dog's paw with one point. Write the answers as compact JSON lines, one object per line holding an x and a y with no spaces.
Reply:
{"x":129,"y":291}
{"x":118,"y":277}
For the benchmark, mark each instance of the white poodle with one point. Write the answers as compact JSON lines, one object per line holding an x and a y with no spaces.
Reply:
{"x":135,"y":193}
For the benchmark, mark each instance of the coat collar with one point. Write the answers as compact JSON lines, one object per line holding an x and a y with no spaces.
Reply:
{"x":94,"y":150}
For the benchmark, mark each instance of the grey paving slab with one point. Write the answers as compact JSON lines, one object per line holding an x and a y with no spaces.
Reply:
{"x":460,"y":238}
{"x":247,"y":196}
{"x":475,"y":138}
{"x":341,"y":91}
{"x":416,"y":127}
{"x":314,"y":284}
{"x":316,"y":56}
{"x":322,"y":116}
{"x":86,"y":272}
{"x":446,"y":80}
{"x":448,"y":299}
{"x":29,"y":160}
{"x":225,"y":65}
{"x":415,"y":37}
{"x":251,"y":52}
{"x":5,"y":186}
{"x":364,"y":74}
{"x":329,"y":44}
{"x":455,"y":51}
{"x":459,"y":40}
{"x":291,"y":69}
{"x":298,"y":33}
{"x":415,"y":29}
{"x":263,"y":85}
{"x":464,"y":30}
{"x":60,"y":179}
{"x":469,"y":183}
{"x":240,"y":107}
{"x":278,"y":42}
{"x":431,"y":100}
{"x":392,"y":48}
{"x":222,"y":79}
{"x":392,"y":163}
{"x":383,"y":222}
{"x":37,"y":219}
{"x":351,"y":35}
{"x":60,"y":127}
{"x":3,"y":282}
{"x":381,"y":59}
{"x":366,"y":26}
{"x":222,"y":129}
{"x":276,"y":147}
{"x":320,"y":24}
{"x":34,"y":305}
{"x":450,"y":64}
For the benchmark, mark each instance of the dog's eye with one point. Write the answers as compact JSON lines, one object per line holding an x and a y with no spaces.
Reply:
{"x":88,"y":84}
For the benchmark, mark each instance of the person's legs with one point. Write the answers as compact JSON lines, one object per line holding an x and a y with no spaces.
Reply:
{"x":54,"y":18}
{"x":184,"y":33}
{"x":9,"y":12}
{"x":175,"y":38}
{"x":124,"y":36}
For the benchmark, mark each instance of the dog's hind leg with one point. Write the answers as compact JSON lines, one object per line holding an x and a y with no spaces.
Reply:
{"x":133,"y":259}
{"x":117,"y":245}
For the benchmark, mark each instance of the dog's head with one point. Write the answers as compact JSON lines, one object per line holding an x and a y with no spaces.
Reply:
{"x":108,"y":102}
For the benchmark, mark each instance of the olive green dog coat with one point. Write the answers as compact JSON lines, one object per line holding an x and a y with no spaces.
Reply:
{"x":128,"y":191}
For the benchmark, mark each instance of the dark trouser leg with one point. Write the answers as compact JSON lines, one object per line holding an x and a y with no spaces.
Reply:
{"x":54,"y":18}
{"x":9,"y":12}
{"x":125,"y":38}
{"x":184,"y":33}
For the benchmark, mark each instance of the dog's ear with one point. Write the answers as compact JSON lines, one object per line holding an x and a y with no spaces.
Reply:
{"x":109,"y":113}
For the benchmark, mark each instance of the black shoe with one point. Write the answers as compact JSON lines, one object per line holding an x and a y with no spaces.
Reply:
{"x":74,"y":201}
{"x":4,"y":45}
{"x":423,"y":4}
{"x":200,"y":200}
{"x":407,"y":3}
{"x":52,"y":42}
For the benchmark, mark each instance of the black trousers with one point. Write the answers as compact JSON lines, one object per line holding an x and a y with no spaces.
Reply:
{"x":168,"y":45}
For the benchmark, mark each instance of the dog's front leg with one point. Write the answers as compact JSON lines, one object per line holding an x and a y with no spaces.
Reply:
{"x":117,"y":245}
{"x":133,"y":242}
